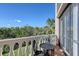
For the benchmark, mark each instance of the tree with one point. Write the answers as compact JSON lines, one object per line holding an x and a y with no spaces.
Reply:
{"x":36,"y":30}
{"x":25,"y":31}
{"x":51,"y":25}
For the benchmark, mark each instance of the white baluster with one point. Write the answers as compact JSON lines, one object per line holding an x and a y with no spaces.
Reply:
{"x":11,"y":50}
{"x":31,"y":47}
{"x":1,"y":49}
{"x":26,"y":49}
{"x":19,"y":49}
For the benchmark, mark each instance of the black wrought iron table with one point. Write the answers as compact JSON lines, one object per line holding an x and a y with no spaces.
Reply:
{"x":47,"y":47}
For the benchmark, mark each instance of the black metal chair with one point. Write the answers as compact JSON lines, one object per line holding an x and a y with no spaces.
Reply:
{"x":37,"y":52}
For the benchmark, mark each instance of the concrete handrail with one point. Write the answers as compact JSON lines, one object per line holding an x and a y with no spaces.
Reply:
{"x":39,"y":39}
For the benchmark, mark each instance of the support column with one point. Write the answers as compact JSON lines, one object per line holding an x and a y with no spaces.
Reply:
{"x":38,"y":45}
{"x":41,"y":43}
{"x":1,"y":49}
{"x":11,"y":50}
{"x":26,"y":49}
{"x":30,"y":49}
{"x":19,"y":49}
{"x":56,"y":23}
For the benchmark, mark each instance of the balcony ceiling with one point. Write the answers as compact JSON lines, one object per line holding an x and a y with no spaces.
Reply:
{"x":61,"y":9}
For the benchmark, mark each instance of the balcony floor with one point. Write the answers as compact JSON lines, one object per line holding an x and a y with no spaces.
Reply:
{"x":58,"y":51}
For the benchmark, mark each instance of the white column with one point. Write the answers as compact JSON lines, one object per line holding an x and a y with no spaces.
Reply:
{"x":38,"y":44}
{"x":11,"y":50}
{"x":56,"y":22}
{"x":31,"y":48}
{"x":20,"y":49}
{"x":1,"y":49}
{"x":75,"y":29}
{"x":26,"y":48}
{"x":41,"y":43}
{"x":65,"y":27}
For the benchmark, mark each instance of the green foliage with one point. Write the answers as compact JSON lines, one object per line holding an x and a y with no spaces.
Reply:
{"x":15,"y":32}
{"x":25,"y":31}
{"x":6,"y":49}
{"x":51,"y":26}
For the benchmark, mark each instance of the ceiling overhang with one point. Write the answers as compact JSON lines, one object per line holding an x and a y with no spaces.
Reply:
{"x":61,"y":9}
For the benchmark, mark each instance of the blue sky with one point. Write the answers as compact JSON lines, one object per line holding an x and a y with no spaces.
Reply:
{"x":34,"y":14}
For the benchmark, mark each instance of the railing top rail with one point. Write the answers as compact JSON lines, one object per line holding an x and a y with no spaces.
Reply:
{"x":26,"y":37}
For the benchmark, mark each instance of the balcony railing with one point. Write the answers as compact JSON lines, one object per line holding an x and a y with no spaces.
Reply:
{"x":32,"y":43}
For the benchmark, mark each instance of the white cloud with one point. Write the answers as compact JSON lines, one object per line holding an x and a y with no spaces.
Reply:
{"x":8,"y":24}
{"x":18,"y":21}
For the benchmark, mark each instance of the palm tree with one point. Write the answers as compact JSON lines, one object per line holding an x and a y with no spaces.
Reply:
{"x":51,"y":24}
